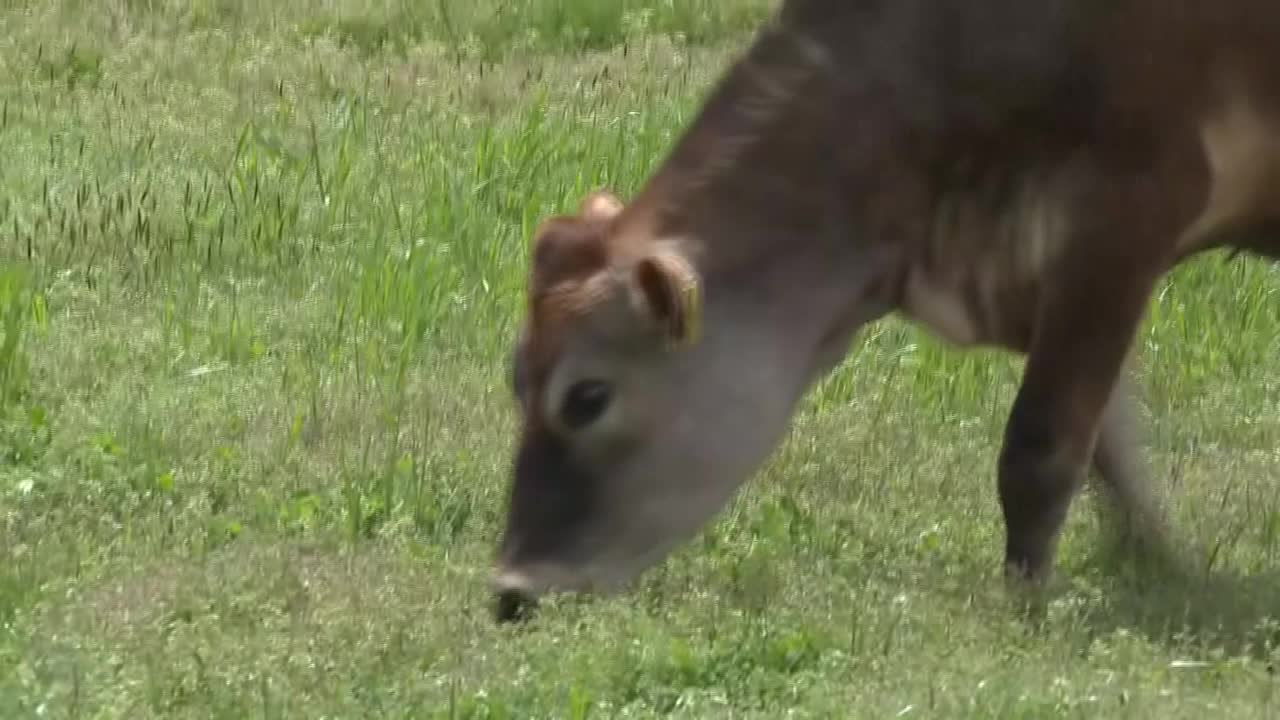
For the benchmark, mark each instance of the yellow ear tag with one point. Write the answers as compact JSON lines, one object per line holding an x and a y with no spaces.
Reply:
{"x":691,"y":311}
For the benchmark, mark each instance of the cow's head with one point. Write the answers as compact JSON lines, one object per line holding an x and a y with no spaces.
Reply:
{"x":648,"y":394}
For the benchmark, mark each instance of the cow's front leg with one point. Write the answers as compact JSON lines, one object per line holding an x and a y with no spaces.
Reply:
{"x":1086,"y":323}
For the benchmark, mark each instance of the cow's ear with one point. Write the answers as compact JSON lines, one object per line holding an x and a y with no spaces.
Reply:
{"x":672,"y":294}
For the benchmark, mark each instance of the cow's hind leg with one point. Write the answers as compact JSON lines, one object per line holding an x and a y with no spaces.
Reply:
{"x":1131,"y":511}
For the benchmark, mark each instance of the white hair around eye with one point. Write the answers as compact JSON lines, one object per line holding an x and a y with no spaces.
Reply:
{"x":583,"y":399}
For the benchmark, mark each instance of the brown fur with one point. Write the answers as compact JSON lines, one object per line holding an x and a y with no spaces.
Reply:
{"x":567,"y":254}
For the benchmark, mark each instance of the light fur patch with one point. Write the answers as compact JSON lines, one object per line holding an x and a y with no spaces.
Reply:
{"x":972,"y":246}
{"x":1040,"y":225}
{"x":1242,"y":147}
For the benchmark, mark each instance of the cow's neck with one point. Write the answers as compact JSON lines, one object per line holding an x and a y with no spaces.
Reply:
{"x":818,"y":194}
{"x":758,"y":191}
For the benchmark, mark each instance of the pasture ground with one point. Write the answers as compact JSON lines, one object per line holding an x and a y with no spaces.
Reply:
{"x":261,"y":265}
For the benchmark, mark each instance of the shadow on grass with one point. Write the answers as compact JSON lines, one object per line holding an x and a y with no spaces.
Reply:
{"x":1168,"y":598}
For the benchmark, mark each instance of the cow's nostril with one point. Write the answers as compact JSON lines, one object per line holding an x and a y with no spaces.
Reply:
{"x":514,"y":606}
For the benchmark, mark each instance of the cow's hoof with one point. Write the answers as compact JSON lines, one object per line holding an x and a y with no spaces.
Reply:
{"x":513,"y":606}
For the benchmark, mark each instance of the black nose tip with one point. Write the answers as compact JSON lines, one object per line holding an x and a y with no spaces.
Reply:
{"x":514,"y":606}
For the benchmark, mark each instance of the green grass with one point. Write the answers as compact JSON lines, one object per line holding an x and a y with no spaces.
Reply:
{"x":259,"y":268}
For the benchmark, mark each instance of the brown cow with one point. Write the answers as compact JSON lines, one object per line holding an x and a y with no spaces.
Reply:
{"x":1012,"y":173}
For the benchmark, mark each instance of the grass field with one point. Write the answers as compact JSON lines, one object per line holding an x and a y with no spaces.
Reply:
{"x":261,"y":263}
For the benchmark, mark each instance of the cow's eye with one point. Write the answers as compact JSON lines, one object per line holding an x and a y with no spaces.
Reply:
{"x":585,"y":402}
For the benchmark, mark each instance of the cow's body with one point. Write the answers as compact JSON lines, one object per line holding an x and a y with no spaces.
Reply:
{"x":1017,"y":173}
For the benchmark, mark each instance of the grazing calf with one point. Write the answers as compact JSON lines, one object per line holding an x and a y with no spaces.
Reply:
{"x":1011,"y":173}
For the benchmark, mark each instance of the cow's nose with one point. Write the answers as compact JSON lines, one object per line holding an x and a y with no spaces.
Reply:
{"x":514,"y":602}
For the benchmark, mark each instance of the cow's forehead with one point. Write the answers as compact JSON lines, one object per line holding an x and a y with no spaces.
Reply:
{"x":569,"y":278}
{"x":570,"y":281}
{"x":566,"y":250}
{"x":553,"y":315}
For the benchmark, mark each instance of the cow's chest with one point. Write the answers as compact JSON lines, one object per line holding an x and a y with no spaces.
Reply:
{"x":975,"y":278}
